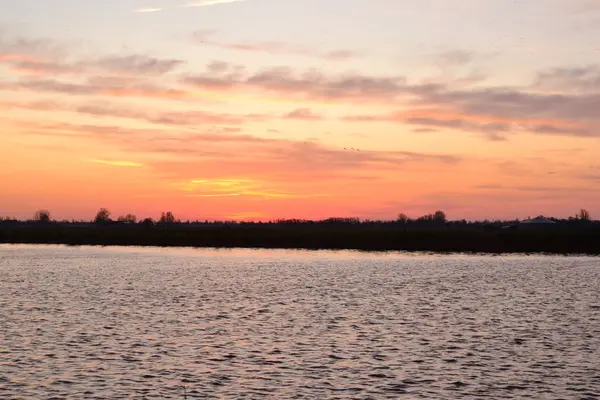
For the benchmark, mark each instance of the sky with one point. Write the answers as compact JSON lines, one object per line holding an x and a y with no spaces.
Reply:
{"x":268,"y":109}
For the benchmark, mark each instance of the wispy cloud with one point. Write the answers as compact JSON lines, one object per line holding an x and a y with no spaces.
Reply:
{"x":132,"y":64}
{"x":100,"y":88}
{"x":584,"y":6}
{"x":148,"y":10}
{"x":9,"y":57}
{"x":176,"y":118}
{"x":204,"y":3}
{"x":495,"y":127}
{"x":308,"y":85}
{"x":303,"y":114}
{"x":454,"y":57}
{"x":216,"y":195}
{"x":29,"y":49}
{"x":251,"y":159}
{"x":240,"y":187}
{"x":561,"y":102}
{"x":584,"y":79}
{"x":46,"y":57}
{"x":135,"y":63}
{"x":209,"y":38}
{"x":201,"y":3}
{"x":116,"y":163}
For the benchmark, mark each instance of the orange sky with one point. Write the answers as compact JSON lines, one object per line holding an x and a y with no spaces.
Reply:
{"x":212,"y":114}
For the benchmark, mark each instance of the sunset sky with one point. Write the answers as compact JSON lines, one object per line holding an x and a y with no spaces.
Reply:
{"x":264,"y":109}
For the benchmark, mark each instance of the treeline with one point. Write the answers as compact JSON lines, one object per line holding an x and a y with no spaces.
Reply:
{"x":103,"y":216}
{"x":437,"y":219}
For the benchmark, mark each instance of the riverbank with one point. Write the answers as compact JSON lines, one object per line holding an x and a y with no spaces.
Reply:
{"x":568,"y":240}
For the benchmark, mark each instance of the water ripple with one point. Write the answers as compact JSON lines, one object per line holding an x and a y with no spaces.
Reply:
{"x":143,"y":324}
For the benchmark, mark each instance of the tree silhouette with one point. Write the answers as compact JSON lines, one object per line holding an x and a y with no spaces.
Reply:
{"x":148,"y":222}
{"x":42,"y":216}
{"x":439,"y":216}
{"x":584,"y":215}
{"x":167,"y":218}
{"x":403,"y":218}
{"x":128,"y":219}
{"x":103,"y":215}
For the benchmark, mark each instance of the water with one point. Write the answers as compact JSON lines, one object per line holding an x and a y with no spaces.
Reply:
{"x":93,"y":323}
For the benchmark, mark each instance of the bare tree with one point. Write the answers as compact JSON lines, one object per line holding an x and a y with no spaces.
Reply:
{"x":584,"y":215}
{"x":167,"y":218}
{"x":426,"y":217}
{"x":128,"y":219}
{"x":438,"y":216}
{"x":42,"y":216}
{"x":103,"y":215}
{"x":403,"y":218}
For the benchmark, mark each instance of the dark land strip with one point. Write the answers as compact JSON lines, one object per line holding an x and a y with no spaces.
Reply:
{"x":367,"y":237}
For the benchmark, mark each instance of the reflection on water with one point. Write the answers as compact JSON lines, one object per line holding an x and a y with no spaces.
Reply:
{"x":92,"y":323}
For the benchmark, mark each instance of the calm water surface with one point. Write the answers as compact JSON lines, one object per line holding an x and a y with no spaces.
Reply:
{"x":94,"y":323}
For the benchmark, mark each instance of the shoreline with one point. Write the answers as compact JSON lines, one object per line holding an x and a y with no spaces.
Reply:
{"x":313,"y":249}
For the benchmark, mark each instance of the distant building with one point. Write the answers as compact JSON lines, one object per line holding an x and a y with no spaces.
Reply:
{"x":538,"y":222}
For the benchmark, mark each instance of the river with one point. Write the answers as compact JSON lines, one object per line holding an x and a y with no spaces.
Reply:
{"x":149,"y":323}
